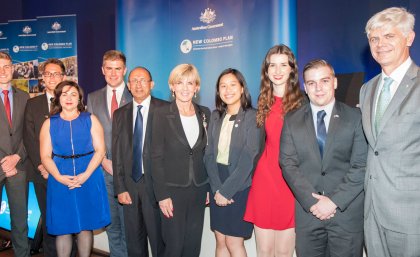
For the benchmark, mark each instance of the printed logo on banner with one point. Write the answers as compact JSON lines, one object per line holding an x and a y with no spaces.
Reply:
{"x":224,"y":39}
{"x":186,"y":46}
{"x":56,"y":26}
{"x":27,"y":30}
{"x":208,"y":16}
{"x":16,"y":49}
{"x":44,"y":46}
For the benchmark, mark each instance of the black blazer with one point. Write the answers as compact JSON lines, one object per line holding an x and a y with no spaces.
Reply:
{"x":122,"y":147}
{"x":11,"y":138}
{"x":339,"y":174}
{"x":244,"y":150}
{"x":174,"y":162}
{"x":36,"y":112}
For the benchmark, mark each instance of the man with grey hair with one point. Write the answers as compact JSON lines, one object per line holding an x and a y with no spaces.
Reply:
{"x":391,"y":121}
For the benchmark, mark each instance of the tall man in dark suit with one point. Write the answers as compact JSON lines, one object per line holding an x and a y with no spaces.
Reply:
{"x":391,"y":121}
{"x":141,"y":211}
{"x":13,"y":156}
{"x":36,"y":112}
{"x":103,"y":103}
{"x":323,"y":157}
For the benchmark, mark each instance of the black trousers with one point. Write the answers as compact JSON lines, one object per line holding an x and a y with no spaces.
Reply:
{"x":142,"y":221}
{"x":182,"y":233}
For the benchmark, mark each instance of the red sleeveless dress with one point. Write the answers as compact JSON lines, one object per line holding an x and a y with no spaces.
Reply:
{"x":271,"y":204}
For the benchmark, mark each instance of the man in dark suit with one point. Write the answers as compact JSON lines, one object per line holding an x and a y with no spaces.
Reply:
{"x":13,"y":156}
{"x":391,"y":121}
{"x":323,"y":157}
{"x":103,"y":103}
{"x":36,"y":112}
{"x":141,"y":211}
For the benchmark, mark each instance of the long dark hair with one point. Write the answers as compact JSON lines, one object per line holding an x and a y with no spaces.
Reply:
{"x":292,"y":98}
{"x":245,"y":97}
{"x":56,"y":106}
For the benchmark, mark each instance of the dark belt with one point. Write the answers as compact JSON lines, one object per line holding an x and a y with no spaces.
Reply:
{"x":74,"y":156}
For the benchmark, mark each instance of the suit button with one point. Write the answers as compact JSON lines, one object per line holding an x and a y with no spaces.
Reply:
{"x":323,"y":173}
{"x":10,"y":134}
{"x":376,"y":153}
{"x":191,"y":152}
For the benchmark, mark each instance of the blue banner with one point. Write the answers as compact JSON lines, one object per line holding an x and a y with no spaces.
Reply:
{"x":23,"y":47}
{"x":57,"y":38}
{"x":213,"y":35}
{"x":4,"y":44}
{"x":34,"y":213}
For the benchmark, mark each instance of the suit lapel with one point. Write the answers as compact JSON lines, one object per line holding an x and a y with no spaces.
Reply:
{"x":310,"y":130}
{"x":372,"y":92}
{"x":235,"y":138}
{"x":126,"y":97}
{"x":17,"y":105}
{"x":218,"y":120}
{"x":406,"y":85}
{"x":4,"y":116}
{"x":174,"y":121}
{"x":105,"y":105}
{"x":333,"y":127}
{"x":200,"y":120}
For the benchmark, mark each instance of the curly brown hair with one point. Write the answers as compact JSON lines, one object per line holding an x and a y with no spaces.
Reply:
{"x":292,"y":98}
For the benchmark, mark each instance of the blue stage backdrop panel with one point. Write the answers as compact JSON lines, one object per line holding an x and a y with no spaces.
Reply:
{"x":213,"y":35}
{"x":34,"y":214}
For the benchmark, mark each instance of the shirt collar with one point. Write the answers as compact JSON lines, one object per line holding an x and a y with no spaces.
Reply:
{"x":327,"y":108}
{"x":398,"y":74}
{"x":145,"y":103}
{"x":118,"y":89}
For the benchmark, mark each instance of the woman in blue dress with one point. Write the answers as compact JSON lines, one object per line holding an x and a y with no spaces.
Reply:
{"x":72,"y":148}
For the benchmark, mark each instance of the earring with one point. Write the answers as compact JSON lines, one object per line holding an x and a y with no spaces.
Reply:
{"x":195,"y":94}
{"x":173,"y":94}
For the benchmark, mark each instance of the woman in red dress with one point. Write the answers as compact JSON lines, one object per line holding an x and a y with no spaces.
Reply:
{"x":271,"y":205}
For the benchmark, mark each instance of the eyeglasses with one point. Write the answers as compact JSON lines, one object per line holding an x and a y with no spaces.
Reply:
{"x":137,"y":81}
{"x":55,"y":75}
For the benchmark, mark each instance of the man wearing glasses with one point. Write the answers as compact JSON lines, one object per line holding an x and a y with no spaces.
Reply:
{"x":103,"y":103}
{"x":132,"y":179}
{"x":36,"y":112}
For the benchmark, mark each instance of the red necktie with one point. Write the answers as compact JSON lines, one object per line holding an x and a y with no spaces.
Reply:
{"x":114,"y":103}
{"x":7,"y":106}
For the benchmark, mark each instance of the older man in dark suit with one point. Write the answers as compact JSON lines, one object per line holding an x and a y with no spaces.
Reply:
{"x":323,"y":157}
{"x":141,"y":211}
{"x":13,"y":157}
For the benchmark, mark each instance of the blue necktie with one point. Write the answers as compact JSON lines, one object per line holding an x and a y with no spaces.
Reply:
{"x":137,"y":146}
{"x":321,"y":131}
{"x":383,"y":101}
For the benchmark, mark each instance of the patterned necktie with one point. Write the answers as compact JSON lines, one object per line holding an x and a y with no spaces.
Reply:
{"x":114,"y":103}
{"x":321,"y":135}
{"x":7,"y":106}
{"x":383,"y":102}
{"x":137,"y":146}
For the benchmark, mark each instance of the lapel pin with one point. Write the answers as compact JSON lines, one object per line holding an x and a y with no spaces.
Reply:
{"x":336,"y":116}
{"x":236,"y":125}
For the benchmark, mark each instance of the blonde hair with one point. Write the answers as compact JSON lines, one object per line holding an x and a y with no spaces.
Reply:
{"x":184,"y":71}
{"x":392,"y":17}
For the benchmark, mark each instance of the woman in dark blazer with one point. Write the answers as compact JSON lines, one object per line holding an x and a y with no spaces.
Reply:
{"x":180,"y":181}
{"x":234,"y":144}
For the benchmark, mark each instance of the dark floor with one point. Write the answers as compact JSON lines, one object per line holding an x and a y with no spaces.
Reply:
{"x":9,"y":253}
